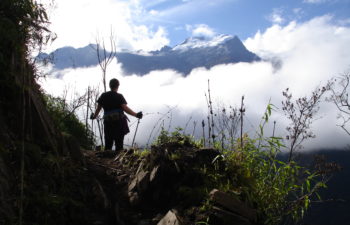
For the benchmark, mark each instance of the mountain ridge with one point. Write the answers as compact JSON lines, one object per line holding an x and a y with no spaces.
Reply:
{"x":194,"y":52}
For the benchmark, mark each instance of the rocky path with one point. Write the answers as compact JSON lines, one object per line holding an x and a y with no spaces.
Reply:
{"x":162,"y":187}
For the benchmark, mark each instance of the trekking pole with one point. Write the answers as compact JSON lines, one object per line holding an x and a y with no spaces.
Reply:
{"x":100,"y":130}
{"x":137,"y":126}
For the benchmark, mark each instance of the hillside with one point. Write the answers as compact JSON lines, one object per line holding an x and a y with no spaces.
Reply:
{"x":49,"y":173}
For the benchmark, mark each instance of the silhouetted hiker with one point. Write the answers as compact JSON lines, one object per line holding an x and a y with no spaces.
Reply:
{"x":115,"y":121}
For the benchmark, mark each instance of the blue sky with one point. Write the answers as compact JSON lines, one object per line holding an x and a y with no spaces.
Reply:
{"x":151,"y":24}
{"x":237,"y":17}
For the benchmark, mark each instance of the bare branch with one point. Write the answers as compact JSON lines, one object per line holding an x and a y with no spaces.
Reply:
{"x":104,"y":57}
{"x":340,"y":98}
{"x":301,"y":113}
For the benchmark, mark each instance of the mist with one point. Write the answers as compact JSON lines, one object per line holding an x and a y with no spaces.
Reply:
{"x":309,"y":55}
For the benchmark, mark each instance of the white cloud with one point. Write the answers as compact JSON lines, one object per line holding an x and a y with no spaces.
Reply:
{"x":154,"y":12}
{"x":77,"y":23}
{"x":188,"y":7}
{"x":276,"y":16}
{"x":202,"y":30}
{"x":311,"y":52}
{"x":298,"y":12}
{"x":314,"y":1}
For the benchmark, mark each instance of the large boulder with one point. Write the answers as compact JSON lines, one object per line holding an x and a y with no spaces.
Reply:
{"x":170,"y":219}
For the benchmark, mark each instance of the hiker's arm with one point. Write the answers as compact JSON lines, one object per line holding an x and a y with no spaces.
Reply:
{"x":99,"y":107}
{"x":128,"y":110}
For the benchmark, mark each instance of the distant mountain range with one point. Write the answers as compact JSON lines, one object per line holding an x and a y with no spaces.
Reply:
{"x":192,"y":53}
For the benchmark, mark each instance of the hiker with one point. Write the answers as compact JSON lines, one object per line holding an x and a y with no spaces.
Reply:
{"x":115,"y":121}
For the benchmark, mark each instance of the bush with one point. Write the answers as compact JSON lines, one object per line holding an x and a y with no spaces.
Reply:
{"x":67,"y":122}
{"x":280,"y":191}
{"x":176,"y":139}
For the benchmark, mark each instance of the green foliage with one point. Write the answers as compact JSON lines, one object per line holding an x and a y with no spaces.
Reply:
{"x":142,"y":153}
{"x":278,"y":190}
{"x":22,"y":28}
{"x":176,"y":139}
{"x":23,"y":23}
{"x":67,"y":122}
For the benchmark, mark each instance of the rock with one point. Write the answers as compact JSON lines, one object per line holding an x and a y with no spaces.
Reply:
{"x":133,"y":185}
{"x":154,"y":174}
{"x":170,"y":219}
{"x":232,"y":204}
{"x":140,"y":182}
{"x":122,"y":178}
{"x":229,"y":218}
{"x":157,"y":218}
{"x":133,"y":198}
{"x":140,"y":166}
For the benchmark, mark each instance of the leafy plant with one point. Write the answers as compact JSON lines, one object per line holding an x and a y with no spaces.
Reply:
{"x":176,"y":138}
{"x":67,"y":122}
{"x":278,"y":190}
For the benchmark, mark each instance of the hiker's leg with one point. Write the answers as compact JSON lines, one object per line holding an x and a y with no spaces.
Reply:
{"x":119,"y":137}
{"x":108,"y":129}
{"x":119,"y":143}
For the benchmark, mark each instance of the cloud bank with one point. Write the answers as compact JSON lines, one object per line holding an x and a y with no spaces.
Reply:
{"x":311,"y":53}
{"x":77,"y":23}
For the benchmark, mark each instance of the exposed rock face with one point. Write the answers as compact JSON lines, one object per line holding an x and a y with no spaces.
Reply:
{"x":231,"y":209}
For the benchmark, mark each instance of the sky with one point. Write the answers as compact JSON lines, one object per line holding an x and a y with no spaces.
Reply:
{"x":151,"y":24}
{"x":309,"y":37}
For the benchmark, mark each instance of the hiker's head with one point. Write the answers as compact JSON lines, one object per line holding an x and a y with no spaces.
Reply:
{"x":114,"y":84}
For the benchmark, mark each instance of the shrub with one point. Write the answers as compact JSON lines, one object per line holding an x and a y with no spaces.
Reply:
{"x":67,"y":122}
{"x":176,"y":139}
{"x":280,"y":191}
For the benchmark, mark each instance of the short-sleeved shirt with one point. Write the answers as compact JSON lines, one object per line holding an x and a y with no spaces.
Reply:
{"x":111,"y":100}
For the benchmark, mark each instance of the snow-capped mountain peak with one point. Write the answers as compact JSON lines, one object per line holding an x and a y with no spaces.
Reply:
{"x":202,"y":42}
{"x":194,"y":52}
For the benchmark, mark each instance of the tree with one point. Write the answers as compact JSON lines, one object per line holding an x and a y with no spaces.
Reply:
{"x":339,"y":88}
{"x":104,"y":57}
{"x":301,"y":114}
